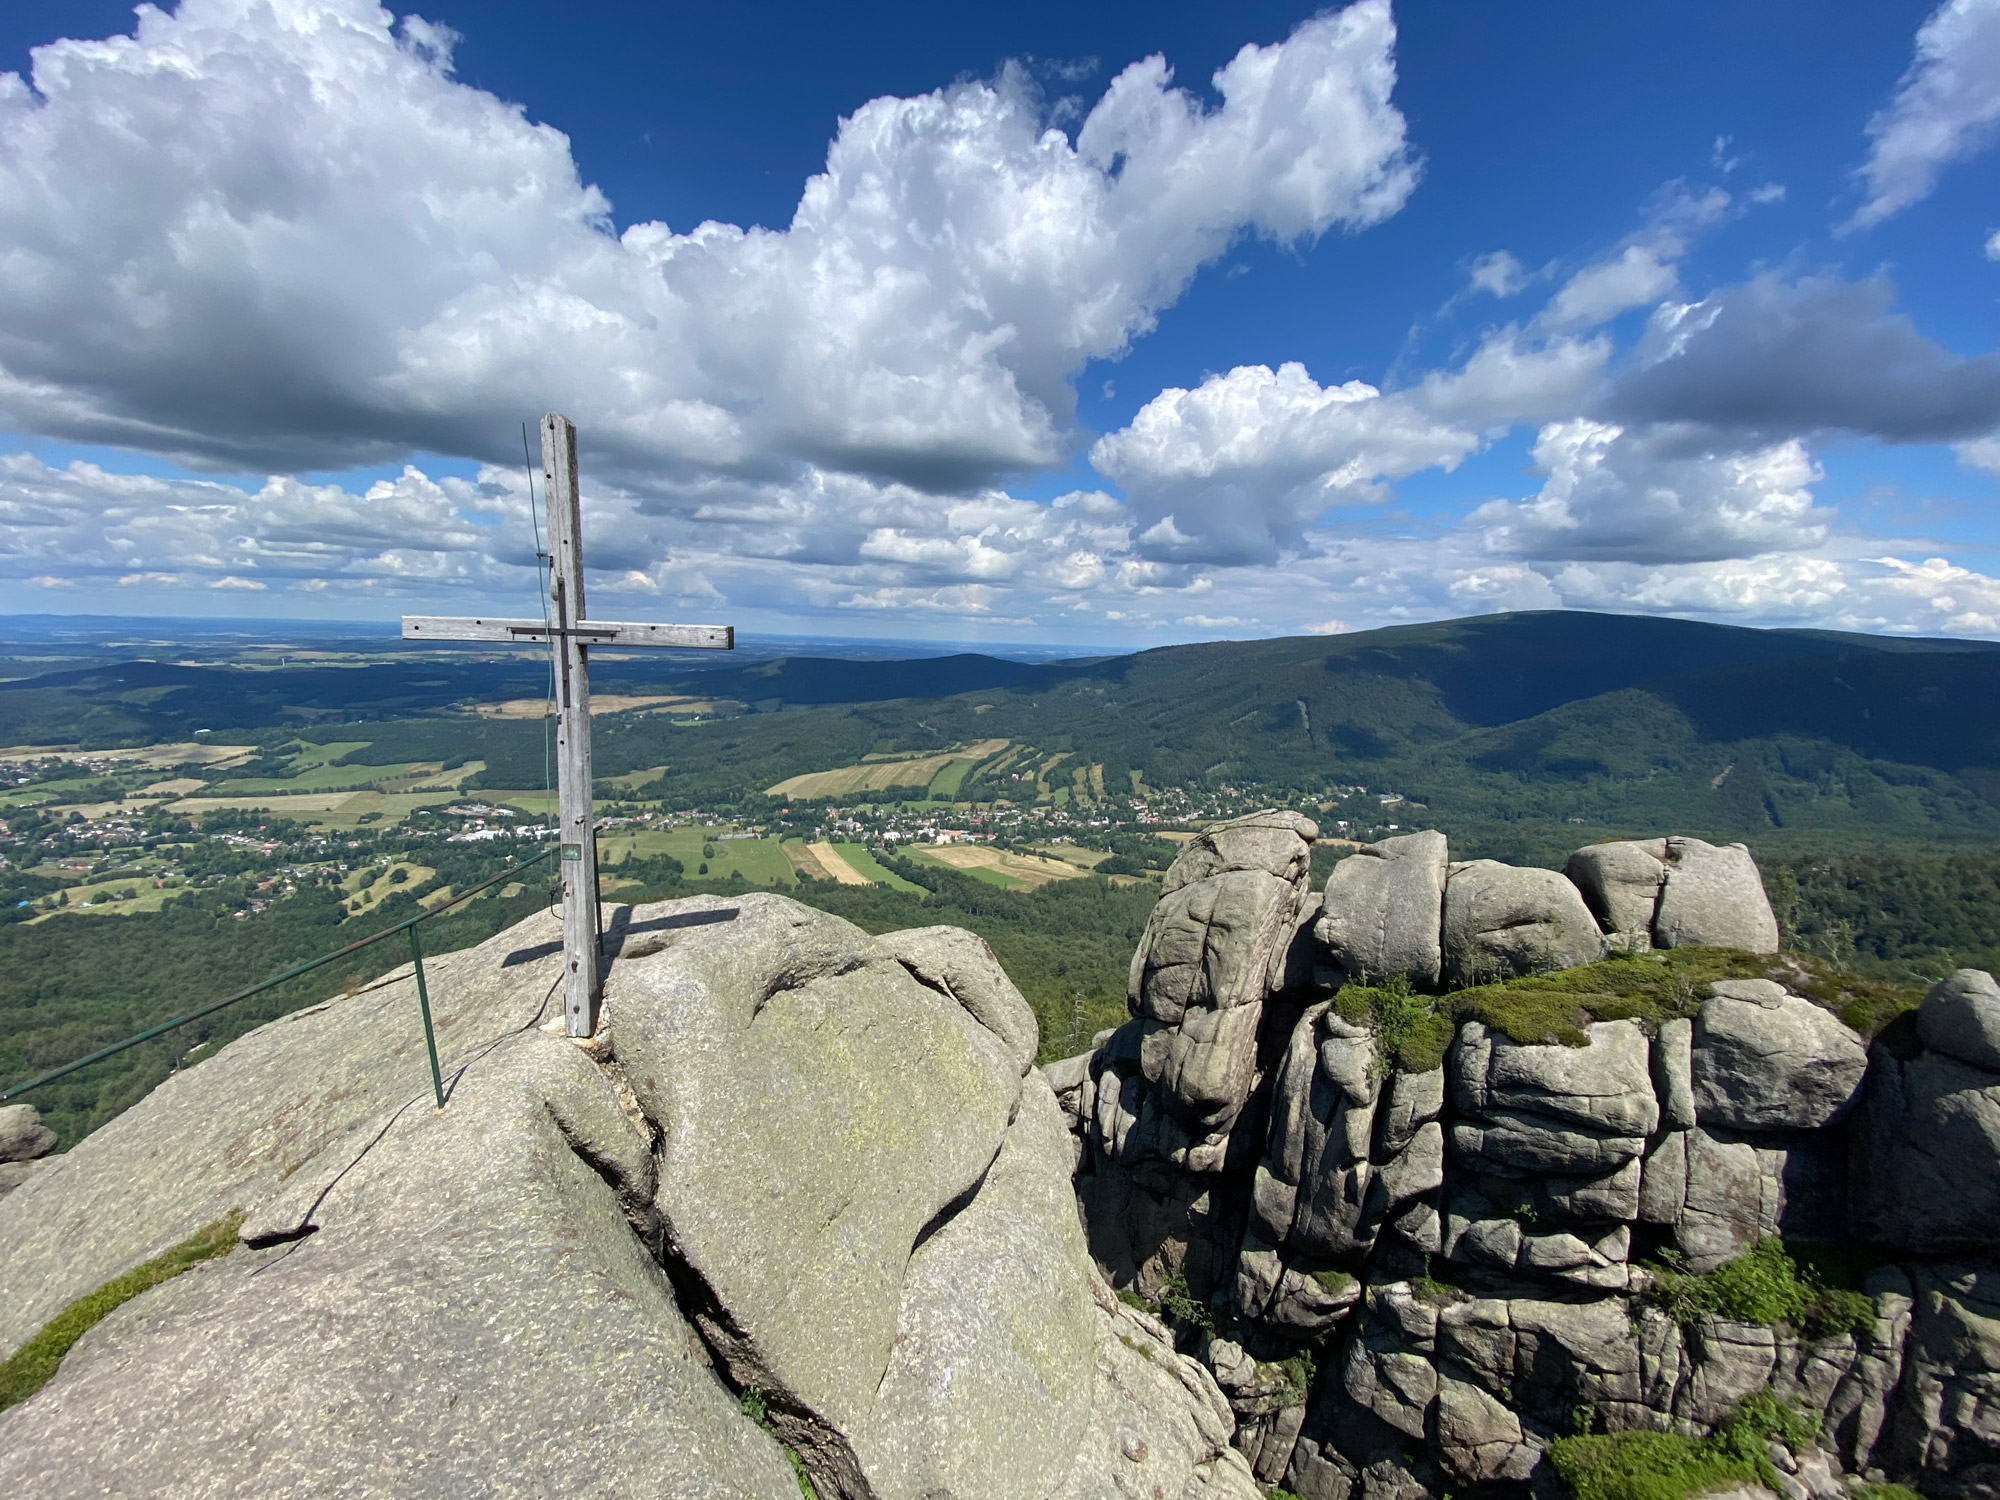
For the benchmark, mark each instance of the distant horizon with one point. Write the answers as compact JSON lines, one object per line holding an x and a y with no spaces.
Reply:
{"x":761,"y":643}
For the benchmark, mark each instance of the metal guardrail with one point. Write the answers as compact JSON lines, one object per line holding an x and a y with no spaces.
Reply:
{"x":408,"y":924}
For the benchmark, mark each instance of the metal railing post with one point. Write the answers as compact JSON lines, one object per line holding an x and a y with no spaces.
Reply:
{"x":424,"y":1004}
{"x":293,"y":973}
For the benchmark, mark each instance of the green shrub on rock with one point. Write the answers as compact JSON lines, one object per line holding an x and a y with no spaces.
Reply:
{"x":1667,"y":1466}
{"x":1644,"y":1466}
{"x":1765,"y":1285}
{"x":1413,"y":1031}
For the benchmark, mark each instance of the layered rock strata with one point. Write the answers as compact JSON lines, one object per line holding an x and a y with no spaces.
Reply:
{"x":1411,"y":1283}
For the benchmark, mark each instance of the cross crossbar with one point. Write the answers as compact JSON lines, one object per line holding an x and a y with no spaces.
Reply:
{"x":590,"y":632}
{"x":583,"y":981}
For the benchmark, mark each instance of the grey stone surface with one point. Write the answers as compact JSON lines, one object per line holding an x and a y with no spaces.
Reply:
{"x":1590,"y":1200}
{"x":1209,"y":944}
{"x":1536,"y":1143}
{"x":23,"y":1136}
{"x":1722,"y":1216}
{"x":989,"y":1381}
{"x":1857,"y":1412}
{"x":1331,"y":1220}
{"x":960,"y":964}
{"x":1222,"y":937}
{"x":1673,"y":1073}
{"x":1417,"y":1169}
{"x":1070,"y":1080}
{"x":1388,"y":1370}
{"x":1948,"y":1407}
{"x":474,"y":1314}
{"x":1763,"y":1066}
{"x":1960,"y":1017}
{"x":1408,"y":1102}
{"x":1727,"y":1361}
{"x":1307,"y":1305}
{"x":14,"y":1173}
{"x":1620,"y":882}
{"x":1275,"y":1185}
{"x":1384,"y":907}
{"x":1501,"y":921}
{"x":1158,"y":1424}
{"x":1663,"y":1180}
{"x":1926,"y":1156}
{"x":1275,"y":843}
{"x":1480,"y":1439}
{"x":1765,"y":992}
{"x":819,"y":1108}
{"x":228,"y":1132}
{"x":1713,"y":896}
{"x":1604,"y":1086}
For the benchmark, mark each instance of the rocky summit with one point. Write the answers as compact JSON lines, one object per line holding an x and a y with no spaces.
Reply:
{"x":1362,"y":1202}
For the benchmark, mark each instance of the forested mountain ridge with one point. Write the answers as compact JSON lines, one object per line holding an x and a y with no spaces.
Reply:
{"x":1515,"y":730}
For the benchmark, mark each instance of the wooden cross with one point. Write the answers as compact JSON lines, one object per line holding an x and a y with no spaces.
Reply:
{"x":575,"y":634}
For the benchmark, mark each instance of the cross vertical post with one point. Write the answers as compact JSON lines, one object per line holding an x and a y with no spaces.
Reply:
{"x":570,"y":635}
{"x":582,"y":958}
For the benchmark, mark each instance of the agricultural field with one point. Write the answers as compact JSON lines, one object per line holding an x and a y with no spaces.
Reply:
{"x":859,"y":858}
{"x":1001,"y":867}
{"x":759,"y":861}
{"x":824,"y":862}
{"x":179,"y":753}
{"x":1084,"y":859}
{"x":940,"y":775}
{"x":339,"y":811}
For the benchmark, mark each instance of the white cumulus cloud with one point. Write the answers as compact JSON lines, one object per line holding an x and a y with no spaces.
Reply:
{"x":1234,"y":469}
{"x":1946,"y":108}
{"x":1649,"y":497}
{"x":280,"y":233}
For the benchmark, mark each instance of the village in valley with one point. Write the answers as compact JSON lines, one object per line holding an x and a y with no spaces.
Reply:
{"x":111,"y":831}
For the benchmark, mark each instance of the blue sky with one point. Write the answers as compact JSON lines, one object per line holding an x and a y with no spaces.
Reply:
{"x":1397,"y":314}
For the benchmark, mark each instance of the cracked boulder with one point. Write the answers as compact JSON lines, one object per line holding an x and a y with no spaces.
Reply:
{"x":1766,"y":1060}
{"x":1220,"y":940}
{"x":1925,"y":1153}
{"x":1572,"y":1111}
{"x":1714,"y":896}
{"x":1960,"y":1017}
{"x":1383,"y":910}
{"x":1620,"y":882}
{"x":1503,"y":921}
{"x":868,"y":1206}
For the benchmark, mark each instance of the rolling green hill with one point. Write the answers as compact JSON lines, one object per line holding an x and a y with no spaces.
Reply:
{"x":1520,"y":734}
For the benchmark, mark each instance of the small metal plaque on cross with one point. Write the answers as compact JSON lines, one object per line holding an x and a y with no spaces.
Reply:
{"x":573,"y":634}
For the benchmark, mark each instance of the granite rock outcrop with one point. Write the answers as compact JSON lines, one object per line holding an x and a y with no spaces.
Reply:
{"x":804,"y":1191}
{"x":1411,"y":1279}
